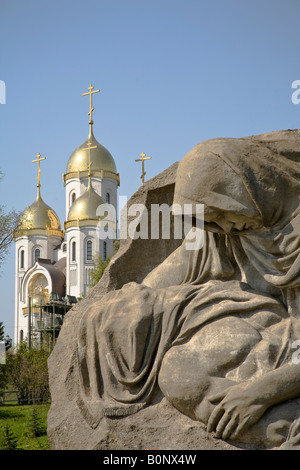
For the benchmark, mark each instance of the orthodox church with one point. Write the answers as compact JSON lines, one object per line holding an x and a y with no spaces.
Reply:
{"x":53,"y":263}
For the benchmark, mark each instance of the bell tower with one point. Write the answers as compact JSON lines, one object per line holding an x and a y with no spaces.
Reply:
{"x":91,"y":180}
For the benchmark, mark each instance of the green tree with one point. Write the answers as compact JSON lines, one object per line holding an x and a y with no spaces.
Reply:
{"x":9,"y":222}
{"x":99,"y":269}
{"x":4,"y":377}
{"x":100,"y":265}
{"x":37,"y":427}
{"x":9,"y":440}
{"x":28,"y":373}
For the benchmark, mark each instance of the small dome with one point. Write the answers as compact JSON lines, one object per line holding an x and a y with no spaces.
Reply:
{"x":101,"y":158}
{"x":85,"y":207}
{"x":39,"y":216}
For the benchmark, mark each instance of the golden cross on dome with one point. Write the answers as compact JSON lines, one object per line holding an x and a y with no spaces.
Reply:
{"x":89,"y":148}
{"x":89,"y":168}
{"x":38,"y":161}
{"x":90,"y":92}
{"x":143,"y":155}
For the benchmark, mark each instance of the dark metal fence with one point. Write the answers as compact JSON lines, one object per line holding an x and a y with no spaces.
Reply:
{"x":30,"y":398}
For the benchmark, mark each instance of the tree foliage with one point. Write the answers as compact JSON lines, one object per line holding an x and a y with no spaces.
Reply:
{"x":9,"y":222}
{"x":99,"y":269}
{"x":4,"y":377}
{"x":101,"y":264}
{"x":27,"y":370}
{"x":37,"y":427}
{"x":9,"y":440}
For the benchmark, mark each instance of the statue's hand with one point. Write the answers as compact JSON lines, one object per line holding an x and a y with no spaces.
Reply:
{"x":238,"y":408}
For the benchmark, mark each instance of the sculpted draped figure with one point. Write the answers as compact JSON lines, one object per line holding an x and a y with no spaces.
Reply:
{"x":214,"y":329}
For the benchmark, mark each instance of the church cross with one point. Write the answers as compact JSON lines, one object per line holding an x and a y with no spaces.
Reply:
{"x":90,"y":92}
{"x":38,"y":161}
{"x":89,"y":148}
{"x":142,"y":159}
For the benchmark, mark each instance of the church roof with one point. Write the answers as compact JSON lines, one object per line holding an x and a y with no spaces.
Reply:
{"x":101,"y":158}
{"x":85,"y":207}
{"x":57,"y":274}
{"x":39,"y":218}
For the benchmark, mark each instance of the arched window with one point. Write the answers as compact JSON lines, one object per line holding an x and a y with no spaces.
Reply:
{"x":73,"y":251}
{"x":73,"y":197}
{"x":22,"y":254}
{"x":21,"y":336}
{"x":104,"y":251}
{"x":37,"y":254}
{"x":107,"y":198}
{"x":89,"y":250}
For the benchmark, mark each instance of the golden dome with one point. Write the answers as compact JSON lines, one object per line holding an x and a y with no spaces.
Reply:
{"x":85,"y":207}
{"x":39,"y":217}
{"x":101,"y":158}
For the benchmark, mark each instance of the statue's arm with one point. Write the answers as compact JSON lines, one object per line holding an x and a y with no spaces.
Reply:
{"x":243,"y":405}
{"x":280,"y":384}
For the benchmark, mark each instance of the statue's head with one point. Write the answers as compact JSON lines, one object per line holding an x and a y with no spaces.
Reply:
{"x":206,"y":179}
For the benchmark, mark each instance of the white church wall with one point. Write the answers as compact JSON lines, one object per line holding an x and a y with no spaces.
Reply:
{"x":73,"y":261}
{"x":61,"y":252}
{"x":73,"y":187}
{"x":37,"y":242}
{"x":110,"y":186}
{"x":21,"y":245}
{"x":52,"y":251}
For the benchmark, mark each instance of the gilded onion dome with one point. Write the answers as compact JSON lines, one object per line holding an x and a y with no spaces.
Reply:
{"x":91,"y":152}
{"x":85,"y":207}
{"x":101,"y":158}
{"x":39,"y":218}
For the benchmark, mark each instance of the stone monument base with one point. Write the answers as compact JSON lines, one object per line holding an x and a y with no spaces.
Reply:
{"x":159,"y":427}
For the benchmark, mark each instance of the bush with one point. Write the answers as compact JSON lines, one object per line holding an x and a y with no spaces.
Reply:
{"x":100,"y":265}
{"x":37,"y":426}
{"x":28,"y":373}
{"x":9,"y":440}
{"x":4,"y":377}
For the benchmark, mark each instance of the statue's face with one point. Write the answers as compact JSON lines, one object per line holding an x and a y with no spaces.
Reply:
{"x":229,"y":221}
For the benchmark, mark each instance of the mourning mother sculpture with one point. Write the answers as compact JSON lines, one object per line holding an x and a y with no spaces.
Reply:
{"x":216,"y":329}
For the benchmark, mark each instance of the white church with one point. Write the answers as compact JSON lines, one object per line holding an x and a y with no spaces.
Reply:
{"x":53,"y":263}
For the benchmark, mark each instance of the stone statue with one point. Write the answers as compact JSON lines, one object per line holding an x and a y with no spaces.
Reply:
{"x":215,"y":330}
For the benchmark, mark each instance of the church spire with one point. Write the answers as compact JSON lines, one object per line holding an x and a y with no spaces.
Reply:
{"x":89,"y":148}
{"x":38,"y":161}
{"x":90,"y":113}
{"x":142,"y":159}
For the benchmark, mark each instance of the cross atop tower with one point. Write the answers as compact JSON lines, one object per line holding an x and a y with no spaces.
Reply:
{"x":90,"y":92}
{"x":89,"y":148}
{"x":38,"y":161}
{"x":142,"y":159}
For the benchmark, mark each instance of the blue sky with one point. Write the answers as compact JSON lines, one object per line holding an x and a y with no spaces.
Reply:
{"x":171,"y":73}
